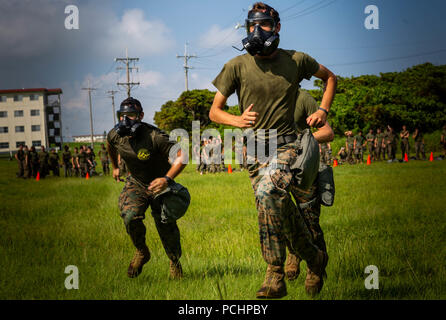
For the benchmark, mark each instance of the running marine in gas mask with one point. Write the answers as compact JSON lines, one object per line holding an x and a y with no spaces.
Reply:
{"x":262,"y":29}
{"x":130,"y":115}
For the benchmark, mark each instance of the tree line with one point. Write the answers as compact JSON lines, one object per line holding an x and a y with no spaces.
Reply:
{"x":415,"y":97}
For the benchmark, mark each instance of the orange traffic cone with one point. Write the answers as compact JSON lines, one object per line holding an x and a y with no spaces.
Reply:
{"x":229,"y":168}
{"x":38,"y":176}
{"x":369,"y":160}
{"x":335,"y":163}
{"x":87,"y":176}
{"x":406,"y":158}
{"x":431,"y":158}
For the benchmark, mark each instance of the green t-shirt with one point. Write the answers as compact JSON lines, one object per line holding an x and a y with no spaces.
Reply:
{"x":306,"y":105}
{"x":350,"y":141}
{"x":103,"y":154}
{"x":146,"y":155}
{"x":33,"y":156}
{"x":380,"y":136}
{"x":359,"y":141}
{"x":419,"y":137}
{"x":370,"y":136}
{"x":391,"y":137}
{"x":405,"y":133}
{"x":82,"y":156}
{"x":53,"y":158}
{"x":20,"y":155}
{"x":66,"y":156}
{"x":271,"y":85}
{"x":43,"y":156}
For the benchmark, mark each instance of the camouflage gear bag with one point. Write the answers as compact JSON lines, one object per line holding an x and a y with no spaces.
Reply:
{"x":306,"y":165}
{"x":174,"y":200}
{"x":326,"y":186}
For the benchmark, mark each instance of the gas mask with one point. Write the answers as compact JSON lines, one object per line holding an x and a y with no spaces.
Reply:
{"x":259,"y":41}
{"x":127,"y":126}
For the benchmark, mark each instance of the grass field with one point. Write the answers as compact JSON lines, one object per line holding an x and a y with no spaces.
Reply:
{"x":388,"y":215}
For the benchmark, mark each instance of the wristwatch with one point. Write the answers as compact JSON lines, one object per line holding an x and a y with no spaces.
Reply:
{"x":169,"y":180}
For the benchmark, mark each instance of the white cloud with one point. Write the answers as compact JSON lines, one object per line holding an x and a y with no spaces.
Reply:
{"x":141,"y":36}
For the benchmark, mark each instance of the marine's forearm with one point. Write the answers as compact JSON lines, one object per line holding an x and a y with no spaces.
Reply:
{"x":113,"y":156}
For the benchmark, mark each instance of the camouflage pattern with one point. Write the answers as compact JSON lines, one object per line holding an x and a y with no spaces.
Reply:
{"x":66,"y":158}
{"x":43,"y":163}
{"x":34,"y":160}
{"x":326,"y":154}
{"x":371,"y":144}
{"x":391,"y":143}
{"x":311,"y":211}
{"x":134,"y":200}
{"x":359,"y":149}
{"x":53,"y":161}
{"x":281,"y":224}
{"x":405,"y":147}
{"x":350,"y":143}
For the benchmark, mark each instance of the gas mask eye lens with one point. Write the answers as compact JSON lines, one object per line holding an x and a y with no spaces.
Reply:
{"x":128,"y":114}
{"x":266,"y":25}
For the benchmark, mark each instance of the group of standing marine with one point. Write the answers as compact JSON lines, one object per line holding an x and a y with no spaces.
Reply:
{"x":384,"y":144}
{"x":77,"y":164}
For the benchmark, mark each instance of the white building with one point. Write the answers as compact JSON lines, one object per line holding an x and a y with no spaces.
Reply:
{"x":30,"y":117}
{"x":87,"y":138}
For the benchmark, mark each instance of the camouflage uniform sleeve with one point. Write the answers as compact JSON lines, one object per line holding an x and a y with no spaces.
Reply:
{"x":161,"y":143}
{"x":227,"y":80}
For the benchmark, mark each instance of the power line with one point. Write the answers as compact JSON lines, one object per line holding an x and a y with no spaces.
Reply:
{"x":309,"y":10}
{"x":128,"y":69}
{"x":91,"y":112}
{"x":186,"y":66}
{"x":112,"y":92}
{"x":387,"y":59}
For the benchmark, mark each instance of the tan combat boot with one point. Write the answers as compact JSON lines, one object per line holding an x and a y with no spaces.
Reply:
{"x":316,"y":273}
{"x":292,"y":267}
{"x":176,"y":271}
{"x":141,"y":257}
{"x":274,"y":285}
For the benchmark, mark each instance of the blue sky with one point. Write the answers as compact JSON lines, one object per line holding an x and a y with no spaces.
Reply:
{"x":37,"y":50}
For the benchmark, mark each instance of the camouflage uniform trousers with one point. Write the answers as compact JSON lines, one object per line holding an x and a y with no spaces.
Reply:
{"x":134,"y":200}
{"x":405,"y":148}
{"x":350,"y":154}
{"x":359,"y":153}
{"x":67,"y":168}
{"x":419,"y":148}
{"x":391,"y":151}
{"x":378,"y":150}
{"x":281,"y":224}
{"x":371,"y":149}
{"x":83,"y":169}
{"x":105,"y":167}
{"x":310,"y":208}
{"x":21,"y":166}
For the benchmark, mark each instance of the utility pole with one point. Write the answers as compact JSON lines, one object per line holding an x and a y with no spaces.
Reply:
{"x":186,"y":67}
{"x":91,"y":113}
{"x":127,"y":61}
{"x":112,"y":92}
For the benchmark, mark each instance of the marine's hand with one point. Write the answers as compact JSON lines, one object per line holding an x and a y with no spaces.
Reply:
{"x":317,"y":119}
{"x":116,"y":174}
{"x":158,"y":185}
{"x":248,"y":118}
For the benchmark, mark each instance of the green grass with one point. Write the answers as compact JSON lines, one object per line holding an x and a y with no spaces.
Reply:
{"x":388,"y":215}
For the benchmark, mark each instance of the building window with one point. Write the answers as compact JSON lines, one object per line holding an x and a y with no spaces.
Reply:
{"x":18,"y":113}
{"x":36,"y":143}
{"x":56,"y":110}
{"x":57,"y":124}
{"x":35,"y":127}
{"x":2,"y":98}
{"x":4,"y":145}
{"x":51,"y":131}
{"x":3,"y":114}
{"x":19,"y":128}
{"x":50,"y":117}
{"x":19,"y":143}
{"x":35,"y":112}
{"x":34,"y":97}
{"x":18,"y":97}
{"x":3,"y":129}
